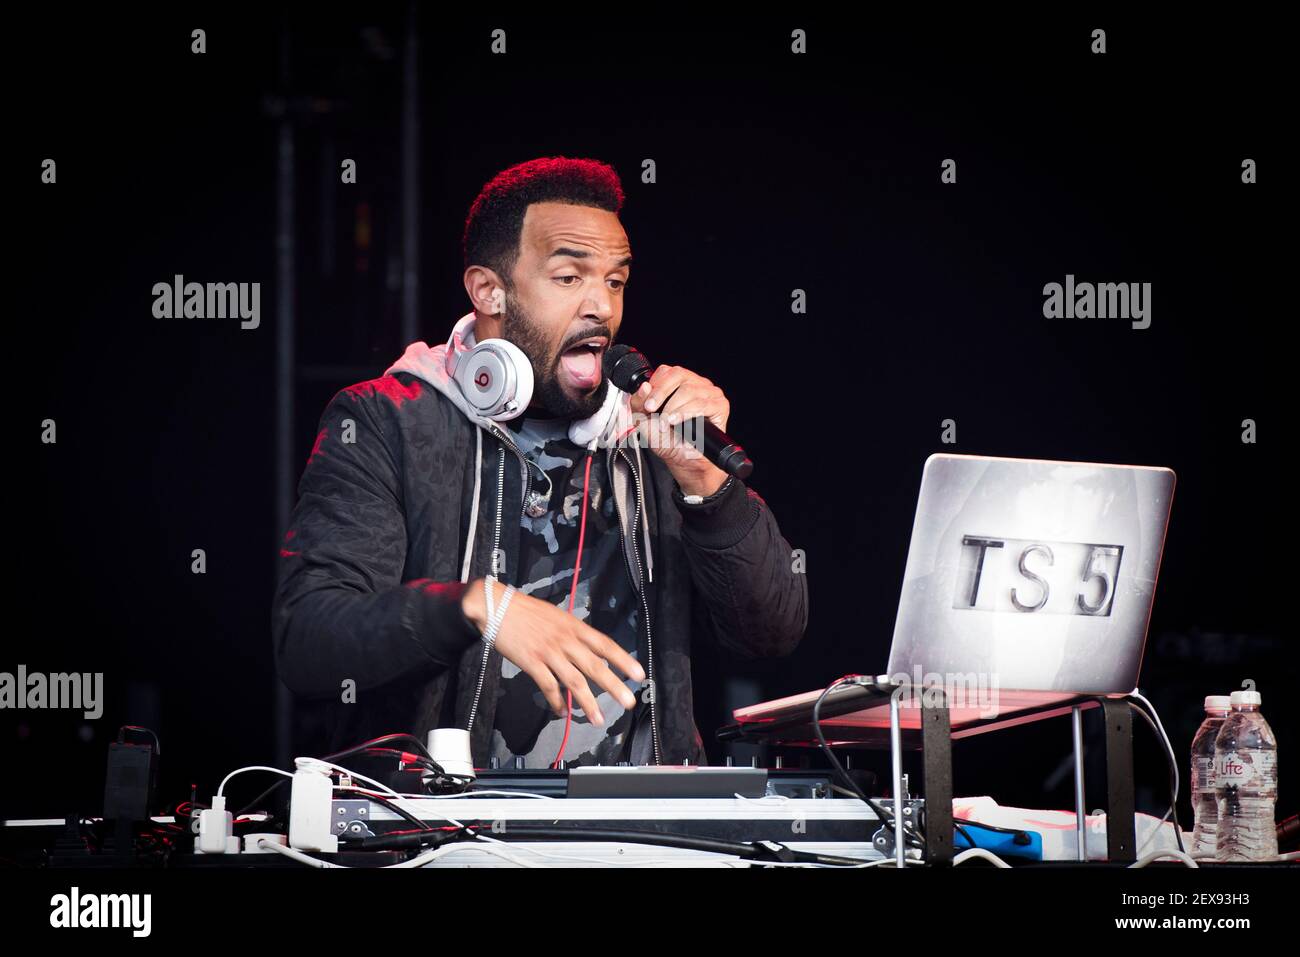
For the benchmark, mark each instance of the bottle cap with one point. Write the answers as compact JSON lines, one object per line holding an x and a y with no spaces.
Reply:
{"x":1247,"y":698}
{"x":1218,"y":702}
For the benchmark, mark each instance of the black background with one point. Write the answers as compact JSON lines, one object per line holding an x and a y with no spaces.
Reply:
{"x":775,"y":172}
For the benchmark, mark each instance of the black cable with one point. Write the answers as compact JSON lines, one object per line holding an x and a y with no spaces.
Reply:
{"x":963,"y":832}
{"x":1173,"y":796}
{"x":403,"y":840}
{"x":121,"y":738}
{"x":886,"y":819}
{"x":416,"y":744}
{"x":261,"y":797}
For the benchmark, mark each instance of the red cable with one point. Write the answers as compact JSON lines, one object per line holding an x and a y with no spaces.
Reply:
{"x":573,"y":592}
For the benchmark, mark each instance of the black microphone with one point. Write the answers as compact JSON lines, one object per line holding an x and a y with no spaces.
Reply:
{"x":626,"y":368}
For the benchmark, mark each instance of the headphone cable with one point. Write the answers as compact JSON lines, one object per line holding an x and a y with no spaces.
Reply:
{"x":573,"y":592}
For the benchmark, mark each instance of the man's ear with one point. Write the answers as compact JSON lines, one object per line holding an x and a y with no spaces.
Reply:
{"x":486,"y":290}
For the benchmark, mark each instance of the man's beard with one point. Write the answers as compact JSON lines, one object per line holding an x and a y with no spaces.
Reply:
{"x":519,"y":328}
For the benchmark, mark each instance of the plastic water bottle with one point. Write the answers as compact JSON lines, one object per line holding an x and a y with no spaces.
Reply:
{"x":1245,"y":777}
{"x":1205,"y":802}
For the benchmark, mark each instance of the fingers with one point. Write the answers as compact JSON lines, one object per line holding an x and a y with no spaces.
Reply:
{"x":677,"y":394}
{"x":573,"y":679}
{"x":598,"y":671}
{"x":611,"y":651}
{"x":546,"y":683}
{"x":665,"y":379}
{"x":558,"y":651}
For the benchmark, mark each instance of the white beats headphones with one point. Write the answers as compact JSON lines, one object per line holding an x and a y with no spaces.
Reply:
{"x":494,"y":376}
{"x":496,"y":379}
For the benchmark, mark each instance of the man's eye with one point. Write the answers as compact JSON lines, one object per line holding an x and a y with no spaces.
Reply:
{"x":619,"y":283}
{"x":566,"y":277}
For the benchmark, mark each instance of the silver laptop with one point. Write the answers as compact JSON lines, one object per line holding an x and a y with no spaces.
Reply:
{"x":1035,"y":575}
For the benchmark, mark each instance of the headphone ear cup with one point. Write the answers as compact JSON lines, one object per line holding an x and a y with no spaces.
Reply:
{"x":521,"y":375}
{"x":496,"y":379}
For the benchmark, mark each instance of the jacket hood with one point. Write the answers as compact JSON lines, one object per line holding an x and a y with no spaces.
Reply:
{"x":606,"y":428}
{"x":609,"y":423}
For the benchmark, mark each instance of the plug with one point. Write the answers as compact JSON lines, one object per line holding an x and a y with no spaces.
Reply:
{"x":216,"y":830}
{"x":311,"y":802}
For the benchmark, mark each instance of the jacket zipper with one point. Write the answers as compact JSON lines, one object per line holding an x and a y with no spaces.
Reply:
{"x":496,"y":546}
{"x":645,"y":609}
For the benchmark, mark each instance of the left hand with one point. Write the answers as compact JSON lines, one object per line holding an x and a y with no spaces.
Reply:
{"x":674,"y":395}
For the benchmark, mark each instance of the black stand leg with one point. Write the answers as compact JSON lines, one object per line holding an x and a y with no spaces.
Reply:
{"x":936,"y":750}
{"x":1121,"y":836}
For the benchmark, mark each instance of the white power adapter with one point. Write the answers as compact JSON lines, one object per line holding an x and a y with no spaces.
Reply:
{"x":216,"y":830}
{"x":311,"y":803}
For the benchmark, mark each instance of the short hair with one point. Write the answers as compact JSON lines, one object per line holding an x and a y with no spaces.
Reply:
{"x":496,"y":219}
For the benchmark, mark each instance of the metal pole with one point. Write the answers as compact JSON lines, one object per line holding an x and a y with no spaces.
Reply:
{"x":285,"y":382}
{"x":1080,"y":827}
{"x":896,"y":752}
{"x":410,"y":182}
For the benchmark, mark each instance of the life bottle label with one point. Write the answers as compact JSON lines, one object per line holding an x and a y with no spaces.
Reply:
{"x":1244,"y":770}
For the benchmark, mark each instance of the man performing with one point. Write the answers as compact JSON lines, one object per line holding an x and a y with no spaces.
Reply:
{"x":462,"y":555}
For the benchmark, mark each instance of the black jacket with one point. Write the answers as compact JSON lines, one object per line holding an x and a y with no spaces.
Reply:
{"x":370,"y":572}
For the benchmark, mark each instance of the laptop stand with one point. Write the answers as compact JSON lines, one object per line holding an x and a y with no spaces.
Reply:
{"x":871,"y":715}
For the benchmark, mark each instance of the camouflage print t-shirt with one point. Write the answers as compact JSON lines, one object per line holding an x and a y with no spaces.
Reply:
{"x":524,"y":725}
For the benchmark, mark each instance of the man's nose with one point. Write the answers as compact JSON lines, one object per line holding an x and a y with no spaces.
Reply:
{"x":599,"y":307}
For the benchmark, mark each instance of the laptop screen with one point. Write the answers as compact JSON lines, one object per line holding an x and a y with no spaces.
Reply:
{"x":1031,"y":574}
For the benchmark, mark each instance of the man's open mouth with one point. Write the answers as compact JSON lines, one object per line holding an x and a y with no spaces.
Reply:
{"x":580,"y":363}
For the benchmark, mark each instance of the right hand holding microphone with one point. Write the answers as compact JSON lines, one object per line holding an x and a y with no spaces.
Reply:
{"x":555,"y":649}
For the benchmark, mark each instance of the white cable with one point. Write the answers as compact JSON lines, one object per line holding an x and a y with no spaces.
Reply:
{"x":429,"y":857}
{"x":497,"y":849}
{"x":882,"y":862}
{"x":645,"y":521}
{"x":767,"y":800}
{"x":1173,"y":764}
{"x":482,"y":793}
{"x":473,"y":513}
{"x":297,"y":855}
{"x":967,"y":854}
{"x":384,"y":788}
{"x":254,"y":767}
{"x":1171,"y":852}
{"x":731,"y":860}
{"x":413,"y":862}
{"x":1156,"y":830}
{"x":561,"y":857}
{"x":1169,"y":748}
